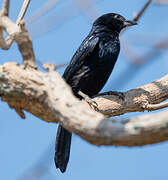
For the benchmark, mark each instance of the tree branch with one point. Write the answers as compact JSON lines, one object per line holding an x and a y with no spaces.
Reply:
{"x":5,"y":8}
{"x":20,"y":35}
{"x":138,"y":99}
{"x":49,"y":98}
{"x":22,"y":11}
{"x":141,"y":12}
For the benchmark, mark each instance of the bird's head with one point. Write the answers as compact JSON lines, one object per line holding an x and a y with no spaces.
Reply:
{"x":113,"y":22}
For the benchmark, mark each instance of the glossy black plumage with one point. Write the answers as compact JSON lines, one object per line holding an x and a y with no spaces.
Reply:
{"x":90,"y":69}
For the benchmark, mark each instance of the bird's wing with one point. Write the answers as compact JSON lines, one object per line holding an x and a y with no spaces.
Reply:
{"x":84,"y":51}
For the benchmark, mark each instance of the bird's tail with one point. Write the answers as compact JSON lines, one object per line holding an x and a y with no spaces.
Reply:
{"x":62,"y":148}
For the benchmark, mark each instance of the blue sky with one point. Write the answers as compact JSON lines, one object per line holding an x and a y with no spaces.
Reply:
{"x":29,"y":143}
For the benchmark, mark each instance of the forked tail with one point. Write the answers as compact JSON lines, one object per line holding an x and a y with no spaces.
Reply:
{"x":62,"y":148}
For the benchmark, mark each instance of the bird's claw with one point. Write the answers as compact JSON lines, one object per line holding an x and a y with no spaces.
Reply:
{"x":89,"y":100}
{"x":92,"y":103}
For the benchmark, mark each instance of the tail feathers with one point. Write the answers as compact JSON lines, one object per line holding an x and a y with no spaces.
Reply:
{"x":62,"y":148}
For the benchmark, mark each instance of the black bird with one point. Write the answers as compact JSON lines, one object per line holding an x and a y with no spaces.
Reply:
{"x":90,"y":69}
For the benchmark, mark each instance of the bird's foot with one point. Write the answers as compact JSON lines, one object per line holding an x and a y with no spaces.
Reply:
{"x":91,"y":103}
{"x":115,"y":93}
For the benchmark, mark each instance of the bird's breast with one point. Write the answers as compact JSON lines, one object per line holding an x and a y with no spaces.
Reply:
{"x":91,"y":77}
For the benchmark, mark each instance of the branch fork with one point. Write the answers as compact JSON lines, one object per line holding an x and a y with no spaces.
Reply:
{"x":18,"y":33}
{"x":49,"y":98}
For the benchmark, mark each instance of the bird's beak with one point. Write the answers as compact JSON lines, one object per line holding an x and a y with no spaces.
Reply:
{"x":129,"y":23}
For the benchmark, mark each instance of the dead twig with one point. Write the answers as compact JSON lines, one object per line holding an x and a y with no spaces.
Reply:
{"x":141,"y":12}
{"x":152,"y":107}
{"x":22,"y":11}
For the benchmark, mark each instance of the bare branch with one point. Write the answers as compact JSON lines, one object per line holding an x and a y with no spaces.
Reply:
{"x":141,"y":12}
{"x":5,"y":8}
{"x":139,"y":15}
{"x":22,"y":11}
{"x":135,"y":100}
{"x":88,"y":8}
{"x":157,"y":50}
{"x":3,"y":43}
{"x":48,"y":6}
{"x":152,"y":107}
{"x":20,"y":35}
{"x":4,"y":12}
{"x":48,"y":97}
